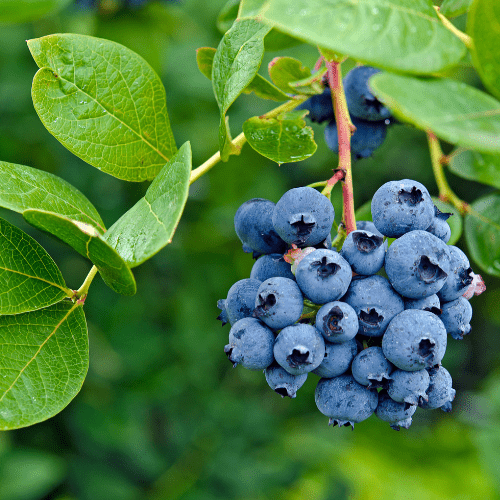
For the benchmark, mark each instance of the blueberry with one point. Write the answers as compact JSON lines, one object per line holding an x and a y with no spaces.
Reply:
{"x":456,"y":317}
{"x":278,"y":302}
{"x":375,"y":303}
{"x":344,"y":400}
{"x":459,"y":277}
{"x":440,"y":393}
{"x":282,"y":382}
{"x":397,"y":414}
{"x":439,"y":227}
{"x":360,"y":100}
{"x":320,"y":107}
{"x":409,"y":387}
{"x":417,"y":264}
{"x":415,"y":340}
{"x":250,"y":344}
{"x":430,"y":303}
{"x":303,"y":216}
{"x":323,"y":276}
{"x":299,"y":349}
{"x":368,"y":137}
{"x":364,"y":251}
{"x":240,"y":301}
{"x":271,"y":266}
{"x":367,"y":225}
{"x":371,"y":368}
{"x":337,"y":322}
{"x":254,"y":227}
{"x":338,"y":358}
{"x":401,"y":206}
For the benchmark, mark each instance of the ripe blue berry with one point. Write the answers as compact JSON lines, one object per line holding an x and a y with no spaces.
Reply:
{"x":303,"y":216}
{"x":338,"y":358}
{"x":459,"y":277}
{"x":440,"y":392}
{"x":364,"y":251}
{"x":299,"y":349}
{"x":240,"y":301}
{"x":415,"y":340}
{"x":278,"y":302}
{"x":456,"y":317}
{"x":439,"y":227}
{"x":337,"y":322}
{"x":344,"y":400}
{"x":401,"y":206}
{"x":397,"y":414}
{"x":409,"y":387}
{"x":323,"y":276}
{"x":417,"y":264}
{"x":271,"y":266}
{"x":282,"y":382}
{"x":320,"y":107}
{"x":250,"y":344}
{"x":371,"y":368}
{"x":430,"y":303}
{"x":367,"y":225}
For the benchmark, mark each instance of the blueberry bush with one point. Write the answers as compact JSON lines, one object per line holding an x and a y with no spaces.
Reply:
{"x":332,"y":97}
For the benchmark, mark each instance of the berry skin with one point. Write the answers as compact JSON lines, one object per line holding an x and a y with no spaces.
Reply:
{"x":303,"y":216}
{"x":371,"y":368}
{"x":430,"y":303}
{"x":397,"y":414}
{"x":364,"y":251}
{"x":299,"y":349}
{"x":456,"y":317}
{"x":337,"y":322}
{"x":459,"y":277}
{"x":250,"y":344}
{"x":338,"y":358}
{"x":344,"y":400}
{"x":375,"y":303}
{"x":440,"y":393}
{"x":323,"y":276}
{"x":254,"y":227}
{"x":278,"y":302}
{"x":417,"y":264}
{"x":402,"y":206}
{"x":271,"y":266}
{"x":320,"y":107}
{"x":240,"y":301}
{"x":415,"y":340}
{"x":439,"y":227}
{"x":409,"y":387}
{"x":367,"y":225}
{"x":368,"y":137}
{"x":282,"y":382}
{"x":360,"y":100}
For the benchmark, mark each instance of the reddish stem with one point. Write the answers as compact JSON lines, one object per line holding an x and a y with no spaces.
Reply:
{"x":318,"y":64}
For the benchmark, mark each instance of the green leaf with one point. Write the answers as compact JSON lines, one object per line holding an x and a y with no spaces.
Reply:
{"x":23,"y":188}
{"x":284,"y":70}
{"x":476,"y":167}
{"x":44,"y":360}
{"x":227,"y":15}
{"x":483,"y":25}
{"x":22,"y":11}
{"x":235,"y":65}
{"x":455,"y":221}
{"x":482,"y":232}
{"x":87,"y":241}
{"x":454,"y":111}
{"x":454,"y":8}
{"x":104,"y":103}
{"x":283,"y":139}
{"x":205,"y":60}
{"x":29,"y":278}
{"x":406,"y":36}
{"x":150,"y":224}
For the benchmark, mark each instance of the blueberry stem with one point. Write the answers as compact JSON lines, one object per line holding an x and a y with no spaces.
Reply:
{"x":466,"y":39}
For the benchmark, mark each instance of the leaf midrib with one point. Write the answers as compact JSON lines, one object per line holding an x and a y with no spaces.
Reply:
{"x":67,"y":291}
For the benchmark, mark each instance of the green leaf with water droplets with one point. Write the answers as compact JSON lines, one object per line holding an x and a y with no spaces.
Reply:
{"x":477,"y":167}
{"x":104,"y":103}
{"x":44,"y":358}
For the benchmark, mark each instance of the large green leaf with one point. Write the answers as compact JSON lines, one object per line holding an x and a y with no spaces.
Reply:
{"x":235,"y":65}
{"x":477,"y":167}
{"x":482,"y":232}
{"x":150,"y":224}
{"x":22,"y":11}
{"x":104,"y":103}
{"x":44,"y":357}
{"x":483,"y":25}
{"x":87,"y":241}
{"x":23,"y":188}
{"x":454,"y":111}
{"x":283,"y":139}
{"x":454,"y":8}
{"x":29,"y":278}
{"x":402,"y":35}
{"x":455,"y":221}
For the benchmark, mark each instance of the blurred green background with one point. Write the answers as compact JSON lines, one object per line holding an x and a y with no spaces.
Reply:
{"x":162,"y":414}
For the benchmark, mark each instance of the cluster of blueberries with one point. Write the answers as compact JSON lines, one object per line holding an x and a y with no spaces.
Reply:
{"x":370,"y":320}
{"x":368,"y":114}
